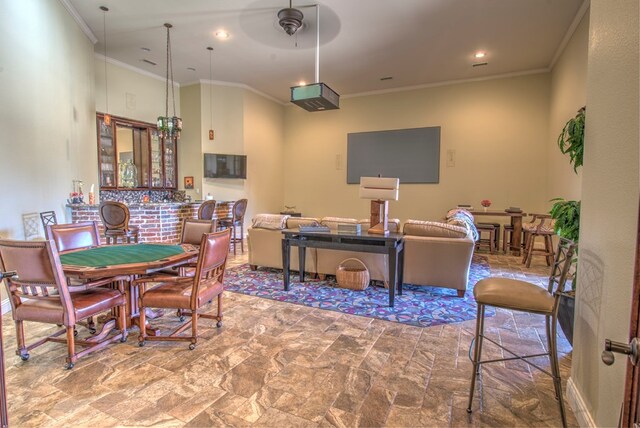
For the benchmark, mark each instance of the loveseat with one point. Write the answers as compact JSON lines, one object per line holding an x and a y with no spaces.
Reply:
{"x":436,"y":254}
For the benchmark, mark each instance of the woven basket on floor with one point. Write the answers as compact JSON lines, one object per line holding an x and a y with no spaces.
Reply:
{"x":352,"y":274}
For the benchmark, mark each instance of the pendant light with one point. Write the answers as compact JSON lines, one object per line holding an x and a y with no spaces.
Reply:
{"x":169,"y":127}
{"x":107,"y":116}
{"x":210,"y":49}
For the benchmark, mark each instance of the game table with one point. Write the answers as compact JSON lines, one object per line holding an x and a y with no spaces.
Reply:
{"x":126,"y":259}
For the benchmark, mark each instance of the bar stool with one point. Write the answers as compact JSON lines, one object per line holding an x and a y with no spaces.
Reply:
{"x":115,"y":218}
{"x":538,"y":227}
{"x":236,"y":220}
{"x":507,"y":237}
{"x":207,"y":210}
{"x":526,"y":297}
{"x":489,"y":242}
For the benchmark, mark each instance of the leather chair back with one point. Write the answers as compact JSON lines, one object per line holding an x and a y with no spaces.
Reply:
{"x":561,"y":266}
{"x":212,"y":260}
{"x":114,"y":215}
{"x":193,"y":229}
{"x":39,"y":273}
{"x":239,"y":208}
{"x":74,"y":236}
{"x":207,"y":210}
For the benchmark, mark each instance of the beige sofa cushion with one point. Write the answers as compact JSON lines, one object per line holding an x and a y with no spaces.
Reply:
{"x":270,"y":221}
{"x":434,"y":229}
{"x":295,"y":222}
{"x":332,"y":222}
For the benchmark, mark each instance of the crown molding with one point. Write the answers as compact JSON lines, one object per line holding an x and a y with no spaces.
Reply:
{"x":447,"y":83}
{"x":235,"y":85}
{"x":81,"y":23}
{"x":121,"y":64}
{"x":572,"y":29}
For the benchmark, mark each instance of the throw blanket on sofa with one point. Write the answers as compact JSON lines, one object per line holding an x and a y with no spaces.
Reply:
{"x":461,"y":217}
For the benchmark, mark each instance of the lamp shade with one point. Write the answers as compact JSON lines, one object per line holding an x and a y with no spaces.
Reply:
{"x":381,"y":188}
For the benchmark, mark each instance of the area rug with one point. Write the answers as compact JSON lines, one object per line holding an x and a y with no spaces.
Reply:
{"x":419,"y":305}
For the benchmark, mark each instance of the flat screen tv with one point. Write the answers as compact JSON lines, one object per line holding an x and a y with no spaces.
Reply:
{"x":225,"y":166}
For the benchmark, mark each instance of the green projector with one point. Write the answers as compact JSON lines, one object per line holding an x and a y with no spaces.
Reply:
{"x":315,"y":97}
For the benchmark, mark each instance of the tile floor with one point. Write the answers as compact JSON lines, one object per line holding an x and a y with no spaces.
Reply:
{"x":275,"y":364}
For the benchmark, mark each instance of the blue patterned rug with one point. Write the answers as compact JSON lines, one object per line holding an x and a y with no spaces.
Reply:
{"x":418,"y":305}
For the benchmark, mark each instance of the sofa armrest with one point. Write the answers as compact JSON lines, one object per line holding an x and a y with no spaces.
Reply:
{"x":442,"y":262}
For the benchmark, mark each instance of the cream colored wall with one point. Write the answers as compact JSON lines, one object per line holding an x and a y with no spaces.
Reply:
{"x":47,"y":108}
{"x":227,"y":105}
{"x":610,"y":195}
{"x":132,"y":94}
{"x":568,"y":94}
{"x":264,"y":147}
{"x":498,"y":129}
{"x":189,"y":146}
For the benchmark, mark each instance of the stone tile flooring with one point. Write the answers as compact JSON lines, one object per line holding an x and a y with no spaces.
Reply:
{"x":275,"y":364}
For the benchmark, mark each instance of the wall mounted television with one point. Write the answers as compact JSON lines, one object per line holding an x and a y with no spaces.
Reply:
{"x":225,"y":166}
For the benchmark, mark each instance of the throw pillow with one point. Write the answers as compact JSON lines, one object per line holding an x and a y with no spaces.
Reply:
{"x":434,"y":229}
{"x":270,"y":221}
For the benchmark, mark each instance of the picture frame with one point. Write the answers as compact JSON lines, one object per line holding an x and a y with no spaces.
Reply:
{"x":188,"y":182}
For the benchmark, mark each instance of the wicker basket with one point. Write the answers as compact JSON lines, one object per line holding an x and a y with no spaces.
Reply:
{"x":352,"y":274}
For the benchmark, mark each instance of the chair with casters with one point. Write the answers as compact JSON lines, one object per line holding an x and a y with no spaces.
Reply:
{"x":192,"y":231}
{"x":540,"y":225}
{"x":115,"y":218}
{"x":74,"y":236}
{"x":207,"y":210}
{"x":187,"y":294}
{"x":48,"y":218}
{"x":40,"y":293}
{"x":517,"y":295}
{"x":236,"y":221}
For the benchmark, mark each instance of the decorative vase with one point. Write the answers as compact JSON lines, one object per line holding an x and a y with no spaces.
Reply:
{"x":485,"y":209}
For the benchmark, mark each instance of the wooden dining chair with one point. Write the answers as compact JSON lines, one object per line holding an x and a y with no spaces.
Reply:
{"x":517,"y":295}
{"x":115,"y":218}
{"x":74,"y":236}
{"x":40,"y":293}
{"x":236,"y":221}
{"x":207,"y":210}
{"x":188,"y":293}
{"x":48,"y":218}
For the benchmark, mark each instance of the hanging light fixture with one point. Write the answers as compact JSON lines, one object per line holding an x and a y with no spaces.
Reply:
{"x":210,"y":49}
{"x":316,"y":96}
{"x":169,"y":127}
{"x":290,"y":19}
{"x":107,"y":116}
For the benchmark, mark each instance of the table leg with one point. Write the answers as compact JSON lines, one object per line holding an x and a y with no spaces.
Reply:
{"x":400,"y":252}
{"x":301,"y":256}
{"x":516,"y":222}
{"x":393,"y":261}
{"x":285,"y":263}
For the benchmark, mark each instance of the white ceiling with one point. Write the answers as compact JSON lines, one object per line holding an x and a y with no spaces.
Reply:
{"x":417,"y":42}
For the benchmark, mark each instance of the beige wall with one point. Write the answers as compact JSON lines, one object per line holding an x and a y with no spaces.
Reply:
{"x":498,"y":129}
{"x":568,"y":94}
{"x":610,"y":194}
{"x":132,"y":94}
{"x":47,"y":109}
{"x":189,"y":146}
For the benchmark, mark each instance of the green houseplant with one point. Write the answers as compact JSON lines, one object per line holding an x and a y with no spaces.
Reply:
{"x":567,"y":213}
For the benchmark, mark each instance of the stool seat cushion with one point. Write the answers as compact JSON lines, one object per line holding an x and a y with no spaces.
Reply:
{"x":513,"y":294}
{"x":532,"y":227}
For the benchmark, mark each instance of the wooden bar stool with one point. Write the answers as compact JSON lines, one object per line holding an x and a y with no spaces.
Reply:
{"x":489,"y":242}
{"x":507,"y":237}
{"x":539,"y":226}
{"x":115,"y":218}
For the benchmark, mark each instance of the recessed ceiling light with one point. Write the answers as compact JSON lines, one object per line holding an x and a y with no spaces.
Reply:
{"x":302,"y":83}
{"x":146,"y":49}
{"x":480,"y":54}
{"x":222,"y":34}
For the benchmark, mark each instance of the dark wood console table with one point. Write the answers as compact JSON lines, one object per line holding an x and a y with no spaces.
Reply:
{"x":391,"y":244}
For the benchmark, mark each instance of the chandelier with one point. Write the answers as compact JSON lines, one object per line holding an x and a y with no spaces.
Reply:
{"x":169,"y":127}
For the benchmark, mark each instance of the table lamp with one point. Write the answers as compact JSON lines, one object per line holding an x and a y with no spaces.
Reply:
{"x":381,"y":190}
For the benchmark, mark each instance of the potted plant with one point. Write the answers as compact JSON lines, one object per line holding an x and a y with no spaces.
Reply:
{"x":567,"y":213}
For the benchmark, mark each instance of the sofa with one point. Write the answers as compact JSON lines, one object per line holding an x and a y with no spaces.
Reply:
{"x":436,"y":253}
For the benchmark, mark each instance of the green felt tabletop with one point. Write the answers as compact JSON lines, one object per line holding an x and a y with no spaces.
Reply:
{"x":109,"y":255}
